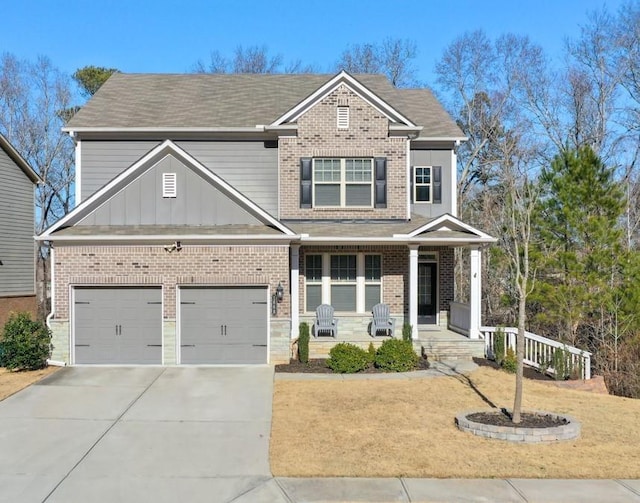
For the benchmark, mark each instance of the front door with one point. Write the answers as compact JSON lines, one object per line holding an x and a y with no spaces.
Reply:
{"x":427,"y":293}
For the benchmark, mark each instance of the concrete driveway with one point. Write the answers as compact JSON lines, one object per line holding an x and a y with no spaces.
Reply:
{"x":138,"y":434}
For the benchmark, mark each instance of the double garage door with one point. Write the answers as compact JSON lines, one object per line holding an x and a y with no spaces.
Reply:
{"x":216,"y":325}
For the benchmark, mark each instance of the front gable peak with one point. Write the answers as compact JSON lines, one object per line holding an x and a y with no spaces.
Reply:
{"x":351,"y":83}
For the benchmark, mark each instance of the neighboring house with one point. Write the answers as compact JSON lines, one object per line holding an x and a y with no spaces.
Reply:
{"x":201,"y":197}
{"x":17,"y":250}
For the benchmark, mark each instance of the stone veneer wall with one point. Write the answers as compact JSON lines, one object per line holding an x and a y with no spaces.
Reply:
{"x":319,"y":136}
{"x":151,"y":265}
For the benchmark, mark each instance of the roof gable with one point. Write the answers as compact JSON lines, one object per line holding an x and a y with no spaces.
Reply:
{"x":448,"y":225}
{"x":343,"y":78}
{"x":19,"y":160}
{"x":95,"y":208}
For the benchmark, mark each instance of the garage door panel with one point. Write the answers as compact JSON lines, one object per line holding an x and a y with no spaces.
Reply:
{"x":118,"y":325}
{"x":223,"y":325}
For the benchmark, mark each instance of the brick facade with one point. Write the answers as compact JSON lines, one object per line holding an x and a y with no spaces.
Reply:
{"x":319,"y":136}
{"x":10,"y":305}
{"x":152,"y":265}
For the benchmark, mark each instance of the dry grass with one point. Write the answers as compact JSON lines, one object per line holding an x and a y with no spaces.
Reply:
{"x":393,"y":428}
{"x":12,"y":382}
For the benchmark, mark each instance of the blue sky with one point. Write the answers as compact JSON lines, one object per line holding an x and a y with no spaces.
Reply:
{"x":170,"y":35}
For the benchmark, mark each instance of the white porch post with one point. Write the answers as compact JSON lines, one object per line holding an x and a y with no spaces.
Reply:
{"x":413,"y":289}
{"x":295,"y":297}
{"x":475,"y":294}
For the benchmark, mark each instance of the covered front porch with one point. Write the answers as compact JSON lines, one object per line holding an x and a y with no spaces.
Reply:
{"x":409,"y":266}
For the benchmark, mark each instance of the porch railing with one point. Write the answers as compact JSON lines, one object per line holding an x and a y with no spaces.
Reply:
{"x":539,"y":351}
{"x":459,"y":317}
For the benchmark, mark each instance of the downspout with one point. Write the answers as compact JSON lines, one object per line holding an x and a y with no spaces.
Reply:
{"x":53,"y":363}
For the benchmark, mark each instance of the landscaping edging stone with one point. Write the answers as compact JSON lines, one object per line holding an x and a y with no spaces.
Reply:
{"x":569,"y":431}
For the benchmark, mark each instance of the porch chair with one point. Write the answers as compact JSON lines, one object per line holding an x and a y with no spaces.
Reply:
{"x":381,"y":320}
{"x":325,"y":322}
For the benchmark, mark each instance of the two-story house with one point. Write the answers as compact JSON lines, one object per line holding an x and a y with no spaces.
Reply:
{"x":17,"y":251}
{"x":216,"y":212}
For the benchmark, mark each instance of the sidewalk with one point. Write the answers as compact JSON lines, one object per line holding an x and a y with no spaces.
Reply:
{"x":330,"y":490}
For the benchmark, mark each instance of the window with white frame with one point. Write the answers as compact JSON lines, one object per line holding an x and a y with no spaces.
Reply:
{"x":343,"y":182}
{"x":313,"y":275}
{"x":372,"y":281}
{"x":422,"y":184}
{"x":349,"y":282}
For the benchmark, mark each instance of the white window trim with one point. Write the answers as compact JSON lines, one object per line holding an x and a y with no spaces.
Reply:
{"x":415,"y":185}
{"x":343,"y":182}
{"x":360,"y":282}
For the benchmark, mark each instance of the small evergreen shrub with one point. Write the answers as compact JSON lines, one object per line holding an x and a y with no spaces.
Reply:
{"x":303,"y":343}
{"x":396,"y":356}
{"x":510,"y":362}
{"x":26,"y":343}
{"x":564,"y":367}
{"x":499,"y":346}
{"x":407,"y":330}
{"x":346,"y":358}
{"x":372,"y":353}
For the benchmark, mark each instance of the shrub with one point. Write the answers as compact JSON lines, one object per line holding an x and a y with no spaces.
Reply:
{"x":407,"y":330}
{"x":303,"y":343}
{"x":26,"y":343}
{"x":345,"y":358}
{"x":563,"y":366}
{"x":499,"y":346}
{"x":372,"y":353}
{"x":396,"y":356}
{"x":510,"y":362}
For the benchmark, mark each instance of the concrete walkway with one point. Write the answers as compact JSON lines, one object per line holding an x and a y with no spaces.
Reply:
{"x":200,"y":435}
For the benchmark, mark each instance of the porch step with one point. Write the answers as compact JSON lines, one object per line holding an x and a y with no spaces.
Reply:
{"x":450,"y":348}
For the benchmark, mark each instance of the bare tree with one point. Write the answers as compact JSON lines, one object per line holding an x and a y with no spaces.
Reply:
{"x":392,"y":57}
{"x":252,"y":59}
{"x":33,"y":101}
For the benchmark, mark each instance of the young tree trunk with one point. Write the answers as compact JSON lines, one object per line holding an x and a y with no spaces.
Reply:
{"x":517,"y":403}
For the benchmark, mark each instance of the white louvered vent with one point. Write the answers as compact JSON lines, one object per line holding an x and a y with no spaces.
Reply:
{"x":169,"y":185}
{"x":343,"y":117}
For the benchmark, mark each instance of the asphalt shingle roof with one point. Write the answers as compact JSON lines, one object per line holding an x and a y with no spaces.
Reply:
{"x":235,"y":101}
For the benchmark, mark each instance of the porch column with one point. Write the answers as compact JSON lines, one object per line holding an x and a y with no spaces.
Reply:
{"x":413,"y":290}
{"x":475,"y":296}
{"x":295,"y":297}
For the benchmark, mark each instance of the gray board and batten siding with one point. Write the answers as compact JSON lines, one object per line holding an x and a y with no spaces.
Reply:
{"x":17,"y":252}
{"x":196,"y":202}
{"x":251,"y":167}
{"x":440,"y":158}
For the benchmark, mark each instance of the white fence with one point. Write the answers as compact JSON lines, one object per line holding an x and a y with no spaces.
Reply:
{"x":539,"y":351}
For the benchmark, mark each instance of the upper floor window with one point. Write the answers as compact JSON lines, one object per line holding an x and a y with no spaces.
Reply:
{"x":422,"y":184}
{"x":343,"y":182}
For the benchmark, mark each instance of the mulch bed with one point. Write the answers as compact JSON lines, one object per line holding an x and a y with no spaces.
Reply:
{"x":528,"y":419}
{"x":319,"y":366}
